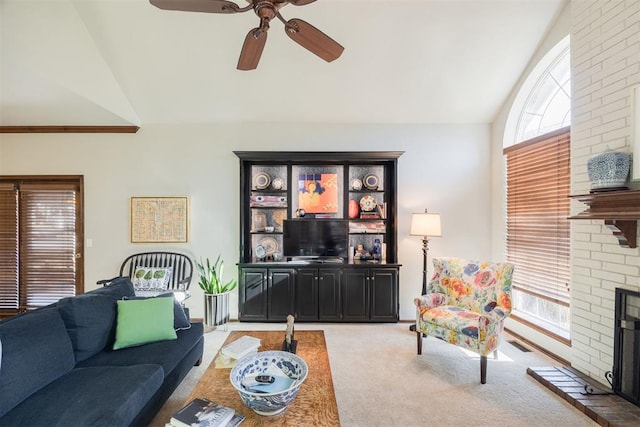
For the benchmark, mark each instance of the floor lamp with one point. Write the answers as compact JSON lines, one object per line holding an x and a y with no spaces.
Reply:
{"x":425,"y":225}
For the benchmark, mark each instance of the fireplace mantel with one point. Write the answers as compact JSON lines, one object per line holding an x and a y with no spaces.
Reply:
{"x":620,"y":210}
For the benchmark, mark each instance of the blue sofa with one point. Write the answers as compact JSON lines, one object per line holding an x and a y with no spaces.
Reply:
{"x":58,"y":366}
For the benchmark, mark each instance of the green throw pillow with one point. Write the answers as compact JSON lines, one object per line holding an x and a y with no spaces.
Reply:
{"x":144,"y":321}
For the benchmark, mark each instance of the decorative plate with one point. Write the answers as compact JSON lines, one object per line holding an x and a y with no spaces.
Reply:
{"x":368,"y":203}
{"x":260,"y":252}
{"x":261,"y":181}
{"x":356,"y":184}
{"x":371,"y":181}
{"x":270,"y":245}
{"x":277,"y":184}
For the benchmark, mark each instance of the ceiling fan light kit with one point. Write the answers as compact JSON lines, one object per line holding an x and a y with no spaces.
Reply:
{"x":301,"y":32}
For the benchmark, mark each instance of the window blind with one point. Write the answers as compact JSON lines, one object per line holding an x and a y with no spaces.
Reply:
{"x":538,"y":185}
{"x":40,"y":230}
{"x":48,"y":243}
{"x":9,"y":297}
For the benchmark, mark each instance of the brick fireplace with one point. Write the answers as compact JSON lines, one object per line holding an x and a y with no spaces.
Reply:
{"x":605,"y":59}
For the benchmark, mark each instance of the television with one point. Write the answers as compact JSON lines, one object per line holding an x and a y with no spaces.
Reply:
{"x":315,"y":238}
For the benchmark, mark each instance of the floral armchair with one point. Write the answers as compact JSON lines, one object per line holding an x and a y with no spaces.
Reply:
{"x":465,"y":305}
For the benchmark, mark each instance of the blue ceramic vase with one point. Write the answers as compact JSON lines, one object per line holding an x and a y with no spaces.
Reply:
{"x":608,"y":170}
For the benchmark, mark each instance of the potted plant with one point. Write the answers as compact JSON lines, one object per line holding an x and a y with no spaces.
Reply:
{"x":216,"y":291}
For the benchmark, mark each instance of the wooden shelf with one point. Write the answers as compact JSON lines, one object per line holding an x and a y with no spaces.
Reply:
{"x":619,"y":209}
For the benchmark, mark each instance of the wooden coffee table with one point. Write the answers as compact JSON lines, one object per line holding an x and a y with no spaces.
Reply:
{"x":315,"y":404}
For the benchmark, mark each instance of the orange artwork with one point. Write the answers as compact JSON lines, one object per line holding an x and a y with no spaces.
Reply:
{"x":318,"y":193}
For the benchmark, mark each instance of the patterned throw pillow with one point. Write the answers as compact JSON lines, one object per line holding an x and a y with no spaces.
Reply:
{"x":151,"y":280}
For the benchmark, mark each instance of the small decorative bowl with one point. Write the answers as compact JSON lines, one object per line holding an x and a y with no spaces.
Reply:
{"x":269,"y":403}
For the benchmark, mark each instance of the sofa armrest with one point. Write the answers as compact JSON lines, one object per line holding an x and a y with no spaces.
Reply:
{"x":430,"y":300}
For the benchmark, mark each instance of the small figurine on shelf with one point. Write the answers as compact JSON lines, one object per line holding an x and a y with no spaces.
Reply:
{"x":289,"y":343}
{"x":377,"y":250}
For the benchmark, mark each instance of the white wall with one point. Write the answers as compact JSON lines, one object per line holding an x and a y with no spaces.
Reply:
{"x":605,"y":55}
{"x":445,"y":168}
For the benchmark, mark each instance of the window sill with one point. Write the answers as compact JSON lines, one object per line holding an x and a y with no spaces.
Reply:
{"x":549,"y":330}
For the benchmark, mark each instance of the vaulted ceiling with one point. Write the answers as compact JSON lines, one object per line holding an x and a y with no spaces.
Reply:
{"x":120,"y":62}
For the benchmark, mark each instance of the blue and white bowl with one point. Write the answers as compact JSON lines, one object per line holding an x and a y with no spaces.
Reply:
{"x":269,"y":403}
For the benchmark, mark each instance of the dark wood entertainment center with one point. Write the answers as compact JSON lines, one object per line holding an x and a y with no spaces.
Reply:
{"x":358,"y":188}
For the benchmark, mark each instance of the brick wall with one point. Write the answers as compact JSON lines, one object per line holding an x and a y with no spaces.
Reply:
{"x":605,"y":56}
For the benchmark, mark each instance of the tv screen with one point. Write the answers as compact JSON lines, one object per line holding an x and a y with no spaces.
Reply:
{"x":315,"y":238}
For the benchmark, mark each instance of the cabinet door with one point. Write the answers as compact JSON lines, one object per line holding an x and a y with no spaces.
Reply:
{"x":384,"y":294}
{"x":329,"y":294}
{"x":355,"y":301}
{"x":252,"y":291}
{"x":281,"y":293}
{"x":307,"y":294}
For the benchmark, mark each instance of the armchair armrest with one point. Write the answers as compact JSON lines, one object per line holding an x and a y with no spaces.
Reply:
{"x":105,"y":282}
{"x":430,"y":300}
{"x":495,"y":315}
{"x":183,"y":284}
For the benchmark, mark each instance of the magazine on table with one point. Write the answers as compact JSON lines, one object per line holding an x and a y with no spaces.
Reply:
{"x":205,"y":413}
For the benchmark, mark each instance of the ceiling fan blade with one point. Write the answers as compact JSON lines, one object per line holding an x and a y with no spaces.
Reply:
{"x":210,"y":6}
{"x":252,"y":49}
{"x":312,"y":39}
{"x":300,"y":2}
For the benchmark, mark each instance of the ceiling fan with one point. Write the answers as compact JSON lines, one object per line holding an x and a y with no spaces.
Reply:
{"x":301,"y":32}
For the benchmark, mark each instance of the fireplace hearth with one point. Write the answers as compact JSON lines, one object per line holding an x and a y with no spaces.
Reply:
{"x":626,"y":356}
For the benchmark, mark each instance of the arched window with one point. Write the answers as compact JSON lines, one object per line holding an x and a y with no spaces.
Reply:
{"x":537,"y":151}
{"x":543,"y":103}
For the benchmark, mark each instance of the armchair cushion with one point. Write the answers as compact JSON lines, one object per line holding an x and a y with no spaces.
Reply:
{"x":151,"y":279}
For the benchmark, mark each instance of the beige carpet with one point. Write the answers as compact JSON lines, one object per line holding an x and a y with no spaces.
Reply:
{"x":379,"y":380}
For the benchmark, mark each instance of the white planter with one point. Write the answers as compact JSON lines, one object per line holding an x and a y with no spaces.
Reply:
{"x":216,"y":309}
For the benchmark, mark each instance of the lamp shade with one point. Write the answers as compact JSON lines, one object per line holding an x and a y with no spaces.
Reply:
{"x":426,"y":224}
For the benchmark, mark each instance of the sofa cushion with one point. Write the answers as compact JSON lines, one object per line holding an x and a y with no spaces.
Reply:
{"x":143,"y":321}
{"x":180,"y":317}
{"x":96,"y":396}
{"x":117,"y":288}
{"x":90,"y":318}
{"x":164,"y":353}
{"x":36,"y":350}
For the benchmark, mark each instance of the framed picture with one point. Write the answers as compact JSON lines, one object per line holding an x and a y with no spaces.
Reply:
{"x":318,"y":193}
{"x":159,"y":219}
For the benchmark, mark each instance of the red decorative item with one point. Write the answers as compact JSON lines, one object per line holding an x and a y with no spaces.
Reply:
{"x":354,"y":209}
